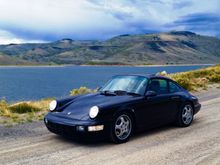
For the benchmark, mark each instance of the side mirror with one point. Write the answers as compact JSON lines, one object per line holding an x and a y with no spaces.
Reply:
{"x":150,"y":93}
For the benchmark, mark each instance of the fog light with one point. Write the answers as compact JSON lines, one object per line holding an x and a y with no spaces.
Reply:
{"x":80,"y":128}
{"x":95,"y":128}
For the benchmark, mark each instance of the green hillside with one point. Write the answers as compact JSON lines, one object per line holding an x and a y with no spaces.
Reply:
{"x":176,"y":47}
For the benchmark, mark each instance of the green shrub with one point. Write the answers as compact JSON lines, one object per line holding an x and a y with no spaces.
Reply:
{"x":4,"y":108}
{"x":213,"y":73}
{"x":214,"y":78}
{"x":197,"y":79}
{"x":23,"y":108}
{"x":3,"y":105}
{"x":199,"y":73}
{"x":185,"y":83}
{"x":81,"y":90}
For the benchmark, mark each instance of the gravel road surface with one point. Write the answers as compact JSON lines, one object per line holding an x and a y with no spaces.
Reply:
{"x":198,"y":144}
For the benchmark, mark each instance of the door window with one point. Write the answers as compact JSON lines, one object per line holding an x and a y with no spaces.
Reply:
{"x":173,"y":87}
{"x":158,"y":85}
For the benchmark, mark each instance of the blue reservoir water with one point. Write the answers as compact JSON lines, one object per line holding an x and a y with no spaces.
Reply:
{"x":32,"y":83}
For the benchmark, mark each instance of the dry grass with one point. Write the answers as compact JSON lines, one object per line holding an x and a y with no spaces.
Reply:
{"x":23,"y":111}
{"x":167,"y":37}
{"x":81,"y":90}
{"x":198,"y":79}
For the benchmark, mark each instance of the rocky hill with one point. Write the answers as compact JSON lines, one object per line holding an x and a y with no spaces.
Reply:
{"x":176,"y":47}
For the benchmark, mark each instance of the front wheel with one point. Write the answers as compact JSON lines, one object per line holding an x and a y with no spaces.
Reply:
{"x":121,"y":128}
{"x":185,"y":116}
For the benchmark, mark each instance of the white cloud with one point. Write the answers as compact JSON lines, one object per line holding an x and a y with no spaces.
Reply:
{"x":52,"y":15}
{"x":154,"y":15}
{"x":93,"y":19}
{"x":9,"y":38}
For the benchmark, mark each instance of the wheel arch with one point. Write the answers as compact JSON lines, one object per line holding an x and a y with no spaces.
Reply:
{"x":191,"y":103}
{"x":184,"y":101}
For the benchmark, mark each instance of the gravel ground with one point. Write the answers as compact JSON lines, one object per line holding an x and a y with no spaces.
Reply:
{"x":198,"y":144}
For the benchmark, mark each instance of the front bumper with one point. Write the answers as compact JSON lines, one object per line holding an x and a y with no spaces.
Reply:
{"x":76,"y":128}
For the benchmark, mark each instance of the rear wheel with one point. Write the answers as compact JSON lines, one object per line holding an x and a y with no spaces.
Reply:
{"x":185,"y":116}
{"x":121,"y":128}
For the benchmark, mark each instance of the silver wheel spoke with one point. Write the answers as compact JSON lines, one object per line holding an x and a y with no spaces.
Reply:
{"x":187,"y":114}
{"x":122,"y":120}
{"x":117,"y":127}
{"x":126,"y":123}
{"x":117,"y":133}
{"x":120,"y":133}
{"x":184,"y":115}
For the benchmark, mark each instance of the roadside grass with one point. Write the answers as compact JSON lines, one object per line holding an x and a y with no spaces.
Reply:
{"x":198,"y":79}
{"x":81,"y":90}
{"x":23,"y":112}
{"x":28,"y":111}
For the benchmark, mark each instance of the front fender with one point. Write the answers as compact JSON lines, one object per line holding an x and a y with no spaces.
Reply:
{"x":64,"y":102}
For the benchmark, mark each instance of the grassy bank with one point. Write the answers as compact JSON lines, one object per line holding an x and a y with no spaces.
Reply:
{"x":23,"y":112}
{"x":198,"y":79}
{"x":28,"y":111}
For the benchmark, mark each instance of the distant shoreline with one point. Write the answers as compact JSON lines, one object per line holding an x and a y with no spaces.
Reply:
{"x":67,"y":65}
{"x":154,"y":65}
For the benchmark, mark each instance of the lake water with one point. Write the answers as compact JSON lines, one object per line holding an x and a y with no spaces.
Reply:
{"x":32,"y":83}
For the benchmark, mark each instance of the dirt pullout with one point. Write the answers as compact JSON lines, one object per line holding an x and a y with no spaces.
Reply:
{"x":198,"y":144}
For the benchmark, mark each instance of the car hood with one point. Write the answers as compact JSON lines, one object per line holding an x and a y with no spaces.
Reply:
{"x":80,"y":106}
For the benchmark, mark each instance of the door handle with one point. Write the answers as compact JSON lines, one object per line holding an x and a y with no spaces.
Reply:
{"x":175,"y":97}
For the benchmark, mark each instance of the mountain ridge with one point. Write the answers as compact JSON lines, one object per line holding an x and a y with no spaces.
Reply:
{"x":175,"y":47}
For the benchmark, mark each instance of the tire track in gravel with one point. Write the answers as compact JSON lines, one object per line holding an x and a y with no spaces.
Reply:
{"x":197,"y":144}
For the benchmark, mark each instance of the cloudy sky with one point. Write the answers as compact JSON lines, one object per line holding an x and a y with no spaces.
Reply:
{"x":49,"y":20}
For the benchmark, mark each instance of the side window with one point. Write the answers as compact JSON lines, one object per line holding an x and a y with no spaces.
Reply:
{"x":158,"y":85}
{"x":173,"y":87}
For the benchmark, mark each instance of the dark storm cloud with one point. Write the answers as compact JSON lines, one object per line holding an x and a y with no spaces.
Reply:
{"x":34,"y":21}
{"x":206,"y":23}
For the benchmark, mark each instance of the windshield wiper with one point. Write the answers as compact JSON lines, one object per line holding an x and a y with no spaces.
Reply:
{"x":109,"y":93}
{"x":121,"y":92}
{"x":133,"y":94}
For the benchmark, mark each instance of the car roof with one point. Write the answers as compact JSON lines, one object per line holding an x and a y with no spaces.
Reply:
{"x":147,"y":76}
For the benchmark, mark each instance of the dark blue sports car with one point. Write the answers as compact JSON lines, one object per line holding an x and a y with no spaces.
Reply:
{"x":125,"y":104}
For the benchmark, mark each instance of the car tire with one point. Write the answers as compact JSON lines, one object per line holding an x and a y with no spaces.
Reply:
{"x":185,"y":115}
{"x":121,"y":128}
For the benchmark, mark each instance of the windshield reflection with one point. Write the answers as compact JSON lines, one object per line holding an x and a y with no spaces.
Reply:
{"x":129,"y":84}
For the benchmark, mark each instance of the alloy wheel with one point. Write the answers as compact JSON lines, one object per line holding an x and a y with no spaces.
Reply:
{"x":123,"y":127}
{"x":187,"y":114}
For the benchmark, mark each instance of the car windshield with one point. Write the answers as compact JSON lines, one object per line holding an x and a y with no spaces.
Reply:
{"x":129,"y":84}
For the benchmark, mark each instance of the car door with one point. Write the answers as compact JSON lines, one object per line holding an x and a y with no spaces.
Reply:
{"x":175,"y":96}
{"x":156,"y":110}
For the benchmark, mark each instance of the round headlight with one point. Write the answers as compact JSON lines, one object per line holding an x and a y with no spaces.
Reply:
{"x":53,"y":105}
{"x":93,"y":111}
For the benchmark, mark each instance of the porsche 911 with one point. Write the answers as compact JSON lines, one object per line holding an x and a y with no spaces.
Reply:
{"x":124,"y":105}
